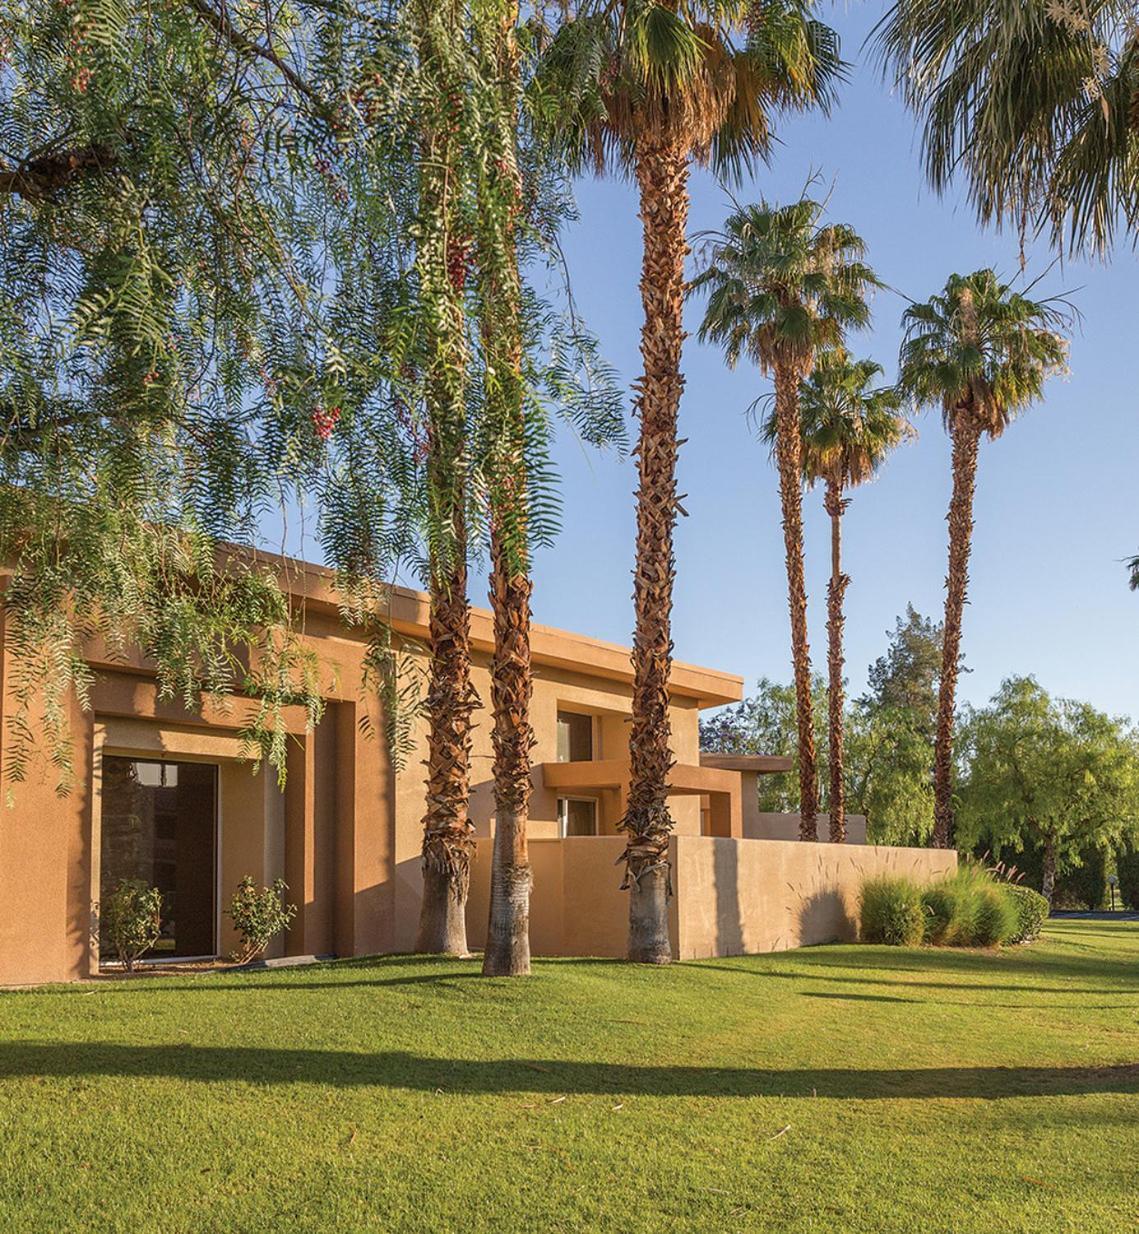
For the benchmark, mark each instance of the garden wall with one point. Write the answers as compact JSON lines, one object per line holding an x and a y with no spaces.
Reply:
{"x":732,"y":897}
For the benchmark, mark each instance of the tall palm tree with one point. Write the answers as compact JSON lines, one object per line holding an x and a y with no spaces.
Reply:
{"x":441,"y":260}
{"x":848,"y":428}
{"x":507,"y":950}
{"x":981,"y":352}
{"x":644,"y":88}
{"x":1031,"y":102}
{"x":781,"y":286}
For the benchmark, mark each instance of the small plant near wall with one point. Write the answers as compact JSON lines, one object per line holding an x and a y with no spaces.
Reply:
{"x":259,"y":914}
{"x":130,"y":919}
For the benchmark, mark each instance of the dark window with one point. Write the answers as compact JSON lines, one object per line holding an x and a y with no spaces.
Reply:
{"x":577,"y":816}
{"x":575,"y":737}
{"x":159,"y":824}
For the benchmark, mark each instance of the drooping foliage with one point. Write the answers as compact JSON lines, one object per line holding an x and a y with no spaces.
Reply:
{"x":147,"y":153}
{"x":1031,"y":104}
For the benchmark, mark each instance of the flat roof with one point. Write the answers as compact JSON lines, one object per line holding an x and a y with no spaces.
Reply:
{"x":408,"y":613}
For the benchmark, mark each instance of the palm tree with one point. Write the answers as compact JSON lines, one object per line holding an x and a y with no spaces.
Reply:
{"x":782,"y":285}
{"x":1032,"y":102}
{"x":644,"y":88}
{"x":848,"y":428}
{"x":441,"y":259}
{"x":508,"y":929}
{"x":981,"y":352}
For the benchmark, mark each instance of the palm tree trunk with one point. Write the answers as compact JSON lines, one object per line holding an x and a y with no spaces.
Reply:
{"x":836,"y":590}
{"x":441,"y":261}
{"x":508,"y":930}
{"x":448,"y":837}
{"x":662,"y":177}
{"x":788,"y":454}
{"x":966,"y":440}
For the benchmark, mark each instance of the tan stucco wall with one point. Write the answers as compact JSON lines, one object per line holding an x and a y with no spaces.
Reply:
{"x":732,"y":897}
{"x":750,"y":896}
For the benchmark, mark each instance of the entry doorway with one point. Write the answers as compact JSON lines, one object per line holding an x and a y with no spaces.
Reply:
{"x":159,"y":825}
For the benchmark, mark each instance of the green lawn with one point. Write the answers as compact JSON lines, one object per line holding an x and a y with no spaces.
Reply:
{"x":831,"y":1089}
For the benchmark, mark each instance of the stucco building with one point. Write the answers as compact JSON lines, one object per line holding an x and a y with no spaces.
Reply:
{"x":166,"y":795}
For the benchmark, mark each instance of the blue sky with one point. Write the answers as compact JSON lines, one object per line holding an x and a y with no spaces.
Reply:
{"x":1056,"y":507}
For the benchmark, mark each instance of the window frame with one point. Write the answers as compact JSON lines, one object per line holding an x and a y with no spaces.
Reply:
{"x":563,"y":816}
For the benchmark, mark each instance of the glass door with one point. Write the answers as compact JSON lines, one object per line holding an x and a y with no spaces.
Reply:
{"x":159,"y":825}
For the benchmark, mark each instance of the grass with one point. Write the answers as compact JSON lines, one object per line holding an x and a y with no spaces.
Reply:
{"x":831,"y":1089}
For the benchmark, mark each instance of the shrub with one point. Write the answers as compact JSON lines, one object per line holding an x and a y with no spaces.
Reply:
{"x":1083,"y":885}
{"x":130,"y":918}
{"x":258,"y":914}
{"x":995,"y":918}
{"x":891,"y":912}
{"x":1127,"y":868}
{"x":1031,"y":911}
{"x":941,"y":904}
{"x":970,"y":908}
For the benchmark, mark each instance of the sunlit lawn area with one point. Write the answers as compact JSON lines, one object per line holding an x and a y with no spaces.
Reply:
{"x":830,"y":1089}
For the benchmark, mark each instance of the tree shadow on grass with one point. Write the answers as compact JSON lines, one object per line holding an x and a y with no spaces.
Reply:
{"x":404,"y":1071}
{"x":967,"y":986}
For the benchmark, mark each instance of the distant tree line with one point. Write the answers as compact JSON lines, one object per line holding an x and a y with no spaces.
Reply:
{"x":1048,"y":787}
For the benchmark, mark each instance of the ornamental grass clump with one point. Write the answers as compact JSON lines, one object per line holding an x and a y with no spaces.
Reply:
{"x":891,"y":912}
{"x":971,"y":908}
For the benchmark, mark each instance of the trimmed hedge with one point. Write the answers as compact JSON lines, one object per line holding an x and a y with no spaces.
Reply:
{"x":1031,"y":911}
{"x":892,"y":912}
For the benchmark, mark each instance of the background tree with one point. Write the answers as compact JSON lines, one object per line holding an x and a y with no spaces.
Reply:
{"x":781,"y":286}
{"x":645,"y":88}
{"x":981,"y":352}
{"x":905,"y":677}
{"x":153,"y":160}
{"x":1045,"y":771}
{"x":847,"y":429}
{"x":888,"y":761}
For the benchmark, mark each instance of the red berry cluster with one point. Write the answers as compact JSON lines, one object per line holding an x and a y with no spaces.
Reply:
{"x":78,"y":49}
{"x":458,"y":261}
{"x":324,"y":421}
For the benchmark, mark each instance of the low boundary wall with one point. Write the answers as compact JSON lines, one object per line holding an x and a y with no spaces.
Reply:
{"x":731,"y":897}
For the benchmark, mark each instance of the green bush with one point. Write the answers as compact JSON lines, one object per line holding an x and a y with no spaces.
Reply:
{"x":995,"y":918}
{"x":891,"y":912}
{"x":942,"y":908}
{"x":970,"y":908}
{"x":1127,"y":867}
{"x":258,"y":915}
{"x":130,"y":918}
{"x":1031,"y":911}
